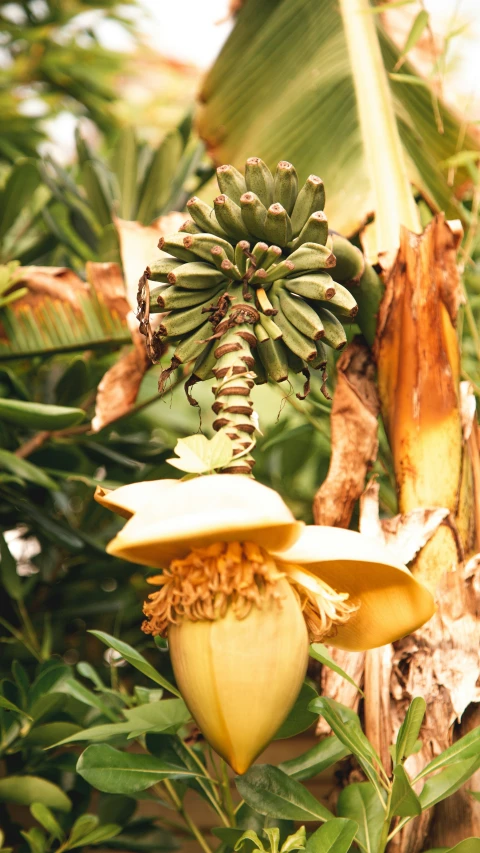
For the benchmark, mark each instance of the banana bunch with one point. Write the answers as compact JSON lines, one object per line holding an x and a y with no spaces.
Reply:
{"x":259,"y":265}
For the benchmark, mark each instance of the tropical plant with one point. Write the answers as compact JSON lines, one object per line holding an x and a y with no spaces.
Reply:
{"x":55,"y":61}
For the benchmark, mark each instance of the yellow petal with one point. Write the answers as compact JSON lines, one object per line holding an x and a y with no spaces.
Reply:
{"x":240,"y":677}
{"x":199,"y":512}
{"x":392,"y":602}
{"x":126,"y":500}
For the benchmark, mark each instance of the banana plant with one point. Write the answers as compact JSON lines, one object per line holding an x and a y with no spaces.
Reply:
{"x":319,"y":86}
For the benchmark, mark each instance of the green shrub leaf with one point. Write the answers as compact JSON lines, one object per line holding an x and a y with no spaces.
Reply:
{"x":271,"y":792}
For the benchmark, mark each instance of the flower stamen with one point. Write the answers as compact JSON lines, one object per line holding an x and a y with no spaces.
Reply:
{"x":209,"y":581}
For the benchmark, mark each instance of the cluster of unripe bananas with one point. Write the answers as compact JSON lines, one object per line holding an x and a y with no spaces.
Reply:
{"x":262,"y":262}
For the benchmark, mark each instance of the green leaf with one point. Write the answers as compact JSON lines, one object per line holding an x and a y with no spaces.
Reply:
{"x":8,"y":572}
{"x":416,"y":31}
{"x":51,"y":675}
{"x":47,"y":819}
{"x":168,"y":716}
{"x":249,"y":835}
{"x":296,"y":841}
{"x":360,"y":802}
{"x":39,"y":415}
{"x":124,"y":162}
{"x":83,"y":694}
{"x":410,"y":729}
{"x":25,"y":790}
{"x":469,"y":845}
{"x":116,"y":772}
{"x":35,"y":839}
{"x":9,"y":706}
{"x":271,"y":792}
{"x":284,"y":107}
{"x":404,"y":801}
{"x":85,"y":824}
{"x":48,"y":734}
{"x":97,"y":733}
{"x":157,"y":183}
{"x":23,"y":179}
{"x":467,"y":747}
{"x":461,"y":158}
{"x":320,"y":652}
{"x":26,"y":470}
{"x":135,"y":659}
{"x":300,"y":717}
{"x":440,"y":787}
{"x":336,"y":836}
{"x":97,"y":836}
{"x":200,"y":455}
{"x":351,"y":735}
{"x":315,"y":760}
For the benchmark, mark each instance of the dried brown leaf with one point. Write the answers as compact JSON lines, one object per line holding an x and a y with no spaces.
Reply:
{"x":354,"y":439}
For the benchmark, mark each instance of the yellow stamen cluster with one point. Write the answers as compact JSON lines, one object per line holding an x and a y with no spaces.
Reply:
{"x":324,"y":609}
{"x":239,"y":575}
{"x":209,"y":581}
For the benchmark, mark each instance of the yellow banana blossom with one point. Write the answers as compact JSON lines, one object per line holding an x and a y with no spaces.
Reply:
{"x":244,"y":588}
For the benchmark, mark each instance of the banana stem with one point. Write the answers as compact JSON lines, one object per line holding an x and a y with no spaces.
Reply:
{"x":233,"y":406}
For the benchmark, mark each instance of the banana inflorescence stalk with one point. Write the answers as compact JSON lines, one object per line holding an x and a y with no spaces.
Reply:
{"x":249,"y":291}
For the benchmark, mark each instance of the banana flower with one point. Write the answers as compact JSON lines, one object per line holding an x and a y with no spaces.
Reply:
{"x":244,"y":588}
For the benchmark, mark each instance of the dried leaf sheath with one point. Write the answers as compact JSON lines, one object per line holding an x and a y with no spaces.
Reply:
{"x":418,"y":379}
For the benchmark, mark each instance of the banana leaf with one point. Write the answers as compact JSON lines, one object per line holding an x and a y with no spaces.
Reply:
{"x":285,"y":86}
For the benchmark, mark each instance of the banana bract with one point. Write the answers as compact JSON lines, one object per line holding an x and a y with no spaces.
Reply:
{"x":244,"y":290}
{"x":243,"y":588}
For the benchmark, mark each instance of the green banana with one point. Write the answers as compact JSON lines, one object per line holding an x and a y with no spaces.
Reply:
{"x":260,"y":373}
{"x":285,"y":185}
{"x":334,"y":334}
{"x":350,"y":264}
{"x":189,"y":227}
{"x":311,"y":256}
{"x":321,"y":358}
{"x":310,"y":199}
{"x":254,"y":214}
{"x":174,"y":298}
{"x":314,"y":286}
{"x":315,"y":230}
{"x":158,"y":271}
{"x":193,"y":345}
{"x":295,"y":363}
{"x":230,"y":269}
{"x":260,"y":333}
{"x":259,"y":180}
{"x":344,"y":301}
{"x":273,"y":254}
{"x":202,"y":244}
{"x":205,"y":362}
{"x":259,"y":252}
{"x":301,"y":315}
{"x":293,"y":339}
{"x":173,"y":245}
{"x":196,"y":276}
{"x":259,"y":277}
{"x":278,"y":228}
{"x":204,"y":216}
{"x":182,"y":322}
{"x":280,"y":270}
{"x":273,"y":355}
{"x":229,"y":215}
{"x":231,"y":182}
{"x":240,"y":256}
{"x":271,"y":328}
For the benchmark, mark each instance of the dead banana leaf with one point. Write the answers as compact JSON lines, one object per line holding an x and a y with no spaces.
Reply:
{"x":354,"y":439}
{"x":119,"y":387}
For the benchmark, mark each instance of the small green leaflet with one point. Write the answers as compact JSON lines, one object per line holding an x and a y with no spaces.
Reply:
{"x":410,"y":729}
{"x":404,"y":801}
{"x":200,"y":455}
{"x":135,"y":659}
{"x":320,"y":652}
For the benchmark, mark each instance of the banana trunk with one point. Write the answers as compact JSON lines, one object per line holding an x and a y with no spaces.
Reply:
{"x":418,"y":380}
